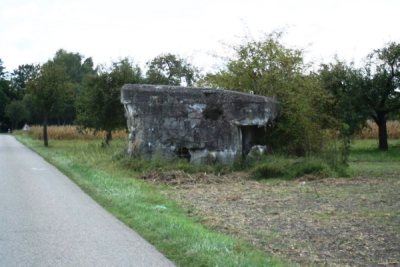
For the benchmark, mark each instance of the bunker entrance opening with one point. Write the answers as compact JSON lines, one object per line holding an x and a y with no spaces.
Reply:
{"x":252,"y":135}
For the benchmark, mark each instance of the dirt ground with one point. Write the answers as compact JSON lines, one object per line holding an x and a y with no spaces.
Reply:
{"x":310,"y":221}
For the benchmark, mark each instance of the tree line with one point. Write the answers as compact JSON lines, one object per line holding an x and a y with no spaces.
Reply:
{"x":317,"y":105}
{"x":69,"y":89}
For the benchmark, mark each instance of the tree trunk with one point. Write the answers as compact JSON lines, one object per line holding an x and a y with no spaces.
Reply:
{"x":108,"y":137}
{"x":45,"y":136}
{"x":381,"y":122}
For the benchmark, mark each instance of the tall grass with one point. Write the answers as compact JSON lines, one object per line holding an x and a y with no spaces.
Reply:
{"x":371,"y":130}
{"x":72,"y":132}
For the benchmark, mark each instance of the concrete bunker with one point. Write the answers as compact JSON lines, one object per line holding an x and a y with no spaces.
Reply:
{"x":201,"y":125}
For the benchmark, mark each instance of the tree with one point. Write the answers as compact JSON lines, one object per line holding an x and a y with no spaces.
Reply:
{"x":169,"y":69}
{"x":16,"y":112}
{"x":381,"y":88}
{"x":371,"y":91}
{"x":48,"y":90}
{"x":99,"y":105}
{"x":266,"y":67}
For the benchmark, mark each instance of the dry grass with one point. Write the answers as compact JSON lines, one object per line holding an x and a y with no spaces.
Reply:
{"x":323,"y":222}
{"x":71,"y":132}
{"x":371,"y":131}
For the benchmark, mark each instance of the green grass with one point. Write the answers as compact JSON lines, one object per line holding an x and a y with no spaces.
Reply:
{"x":177,"y":234}
{"x":366,"y":160}
{"x":275,"y":166}
{"x":367,"y":150}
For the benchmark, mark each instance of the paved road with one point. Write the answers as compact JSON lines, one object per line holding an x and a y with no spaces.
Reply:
{"x":46,"y":220}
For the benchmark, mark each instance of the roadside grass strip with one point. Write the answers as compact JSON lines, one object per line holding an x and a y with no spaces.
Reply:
{"x":170,"y":228}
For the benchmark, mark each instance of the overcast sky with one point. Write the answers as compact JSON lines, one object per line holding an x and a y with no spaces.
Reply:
{"x":31,"y":31}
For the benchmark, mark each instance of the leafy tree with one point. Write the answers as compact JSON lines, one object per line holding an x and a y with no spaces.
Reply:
{"x":16,"y":112}
{"x":169,"y":69}
{"x":48,"y":90}
{"x":266,"y":67}
{"x":381,"y":88}
{"x":99,"y":105}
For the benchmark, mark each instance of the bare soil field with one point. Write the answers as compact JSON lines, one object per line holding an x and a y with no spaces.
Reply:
{"x":310,"y":221}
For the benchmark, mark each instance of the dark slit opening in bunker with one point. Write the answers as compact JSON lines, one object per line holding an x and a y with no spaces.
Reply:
{"x":183,"y":153}
{"x":213,"y":112}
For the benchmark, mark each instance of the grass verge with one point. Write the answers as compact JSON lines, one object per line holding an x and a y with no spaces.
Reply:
{"x":177,"y":234}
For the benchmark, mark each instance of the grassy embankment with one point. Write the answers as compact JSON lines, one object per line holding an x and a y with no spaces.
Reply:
{"x":175,"y":232}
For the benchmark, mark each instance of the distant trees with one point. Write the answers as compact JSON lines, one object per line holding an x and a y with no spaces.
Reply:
{"x":54,"y":92}
{"x":337,"y":98}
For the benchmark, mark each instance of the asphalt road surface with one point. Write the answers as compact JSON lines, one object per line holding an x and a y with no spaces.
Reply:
{"x":46,"y":220}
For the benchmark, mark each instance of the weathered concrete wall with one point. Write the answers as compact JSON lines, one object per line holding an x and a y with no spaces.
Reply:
{"x":199,"y":124}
